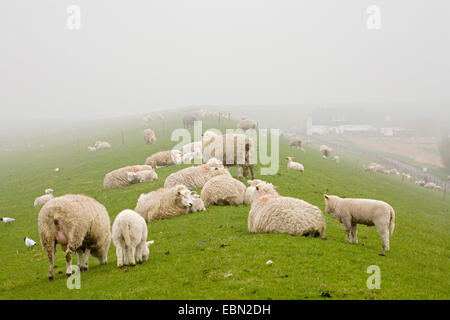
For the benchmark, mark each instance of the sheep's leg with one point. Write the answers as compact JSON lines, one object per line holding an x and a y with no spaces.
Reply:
{"x":80,"y":259}
{"x":69,"y":262}
{"x":139,"y":250}
{"x":85,"y":266}
{"x":348,"y":228}
{"x":119,"y":254}
{"x":130,"y":253}
{"x":355,"y":233}
{"x":51,"y":257}
{"x":383,"y":231}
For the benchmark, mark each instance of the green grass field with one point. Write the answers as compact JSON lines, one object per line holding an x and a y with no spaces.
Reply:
{"x":193,"y":253}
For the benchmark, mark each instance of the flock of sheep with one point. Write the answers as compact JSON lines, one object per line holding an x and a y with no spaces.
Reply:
{"x":80,"y":224}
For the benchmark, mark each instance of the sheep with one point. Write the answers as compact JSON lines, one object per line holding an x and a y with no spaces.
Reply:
{"x":149,"y":136}
{"x":164,"y":158}
{"x":188,"y":121}
{"x":251,"y":190}
{"x":39,"y":201}
{"x":79,"y":224}
{"x":438,"y":188}
{"x":192,"y":156}
{"x":142,"y":176}
{"x":296,"y":142}
{"x":246,"y":124}
{"x":294,"y":165}
{"x":146,"y":120}
{"x":337,"y":159}
{"x":92,"y":149}
{"x":406,"y":176}
{"x":119,"y":178}
{"x":100,"y":145}
{"x":214,"y":161}
{"x":192,"y":147}
{"x":351,"y":212}
{"x":197,"y":204}
{"x":272,"y":213}
{"x":194,"y":177}
{"x":325,"y":151}
{"x":224,"y":114}
{"x":393,"y":172}
{"x":375,"y":167}
{"x":430,"y":185}
{"x":420,"y":183}
{"x":223,"y":190}
{"x":164,"y":203}
{"x":232,"y":150}
{"x":129,"y":235}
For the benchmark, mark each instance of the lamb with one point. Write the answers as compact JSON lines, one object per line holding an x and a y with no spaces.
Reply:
{"x":192,"y":156}
{"x":129,"y":234}
{"x":39,"y":201}
{"x":294,"y":165}
{"x":337,"y":159}
{"x":273,"y":213}
{"x":101,"y":145}
{"x":119,"y":178}
{"x":246,"y":124}
{"x":192,"y":147}
{"x":351,"y":212}
{"x":194,"y":177}
{"x":197,"y":204}
{"x":164,"y":203}
{"x":325,"y":151}
{"x":251,"y":190}
{"x":223,"y":190}
{"x":296,"y":142}
{"x":232,"y":150}
{"x":164,"y":158}
{"x":149,"y":136}
{"x":142,"y":176}
{"x":92,"y":149}
{"x":79,"y":224}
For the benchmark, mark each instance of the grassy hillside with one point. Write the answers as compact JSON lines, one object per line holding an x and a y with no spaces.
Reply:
{"x":193,"y":253}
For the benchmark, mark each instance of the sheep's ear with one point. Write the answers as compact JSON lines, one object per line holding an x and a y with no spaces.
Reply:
{"x":326,"y":197}
{"x":179,"y":193}
{"x":257,"y":188}
{"x":149,"y":243}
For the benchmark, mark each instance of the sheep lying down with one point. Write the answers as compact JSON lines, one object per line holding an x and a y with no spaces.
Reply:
{"x":351,"y":212}
{"x":119,"y":178}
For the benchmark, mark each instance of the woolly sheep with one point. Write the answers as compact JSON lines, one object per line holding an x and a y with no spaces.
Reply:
{"x":119,"y":178}
{"x":192,"y":147}
{"x":164,"y":203}
{"x":164,"y":158}
{"x":197,"y":204}
{"x":192,"y":156}
{"x":375,"y":167}
{"x":351,"y":212}
{"x":246,"y":124}
{"x":430,"y":185}
{"x":142,"y":176}
{"x":100,"y":145}
{"x":325,"y":151}
{"x":92,"y":149}
{"x":39,"y":201}
{"x":129,"y":235}
{"x":273,"y":213}
{"x":393,"y":172}
{"x":194,"y":177}
{"x":294,"y":165}
{"x":296,"y":142}
{"x":420,"y":183}
{"x":79,"y":224}
{"x":223,"y":190}
{"x":251,"y":190}
{"x":337,"y":159}
{"x":232,"y":150}
{"x":149,"y":136}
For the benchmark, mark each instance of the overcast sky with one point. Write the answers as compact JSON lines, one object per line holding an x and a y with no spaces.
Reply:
{"x":137,"y":56}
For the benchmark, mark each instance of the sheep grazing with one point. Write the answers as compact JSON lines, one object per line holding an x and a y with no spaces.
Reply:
{"x":188,"y":121}
{"x":296,"y":142}
{"x":223,"y":190}
{"x":142,"y":176}
{"x":119,"y":178}
{"x":194,"y":177}
{"x":149,"y":136}
{"x":294,"y":165}
{"x":197,"y":204}
{"x":430,"y":185}
{"x":164,"y":203}
{"x":79,"y":224}
{"x":325,"y":151}
{"x":337,"y":159}
{"x":164,"y":158}
{"x":232,"y":150}
{"x":246,"y":124}
{"x":129,"y":234}
{"x":92,"y":149}
{"x":39,"y":201}
{"x":273,"y":213}
{"x":251,"y":190}
{"x":101,"y":145}
{"x":351,"y":212}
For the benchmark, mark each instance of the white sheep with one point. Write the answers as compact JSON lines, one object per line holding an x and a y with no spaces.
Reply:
{"x":79,"y":224}
{"x":100,"y":145}
{"x":273,"y":213}
{"x":223,"y":190}
{"x":164,"y":158}
{"x":296,"y":142}
{"x":142,"y":176}
{"x":194,"y":177}
{"x":119,"y":178}
{"x":294,"y":165}
{"x":129,"y":234}
{"x":420,"y":183}
{"x":246,"y":124}
{"x":192,"y":156}
{"x":337,"y":159}
{"x":197,"y":204}
{"x":430,"y":185}
{"x":251,"y":190}
{"x":192,"y":147}
{"x":164,"y":203}
{"x":325,"y":150}
{"x":39,"y":201}
{"x":351,"y":212}
{"x":92,"y":149}
{"x":149,"y":136}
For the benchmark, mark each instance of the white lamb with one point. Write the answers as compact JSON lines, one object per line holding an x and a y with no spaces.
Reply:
{"x":100,"y":145}
{"x":351,"y":212}
{"x":197,"y":203}
{"x":192,"y":156}
{"x":44,"y":199}
{"x":142,"y":176}
{"x":294,"y":165}
{"x":129,"y":235}
{"x":251,"y":190}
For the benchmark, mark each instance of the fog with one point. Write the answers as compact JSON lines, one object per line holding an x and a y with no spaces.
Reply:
{"x":134,"y":57}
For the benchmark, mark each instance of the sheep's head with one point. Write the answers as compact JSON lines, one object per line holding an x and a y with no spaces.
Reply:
{"x":131,"y":176}
{"x":330,"y":203}
{"x":217,"y":171}
{"x":214,"y":162}
{"x":184,"y":196}
{"x":48,"y":191}
{"x":288,"y":159}
{"x":146,"y":252}
{"x":254,"y":182}
{"x":263,"y":189}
